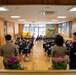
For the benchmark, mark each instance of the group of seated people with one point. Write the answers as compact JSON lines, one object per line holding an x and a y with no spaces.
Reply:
{"x":49,"y":42}
{"x":39,"y":38}
{"x":24,"y":46}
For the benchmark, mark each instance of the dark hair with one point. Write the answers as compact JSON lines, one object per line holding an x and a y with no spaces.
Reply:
{"x":59,"y":40}
{"x":8,"y":37}
{"x":74,"y":33}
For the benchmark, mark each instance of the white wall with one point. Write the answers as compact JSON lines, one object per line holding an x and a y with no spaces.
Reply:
{"x":16,"y":29}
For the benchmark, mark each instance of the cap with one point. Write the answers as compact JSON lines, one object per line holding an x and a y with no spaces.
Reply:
{"x":74,"y":33}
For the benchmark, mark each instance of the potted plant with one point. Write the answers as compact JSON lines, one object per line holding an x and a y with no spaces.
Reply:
{"x":59,"y":64}
{"x":13,"y":64}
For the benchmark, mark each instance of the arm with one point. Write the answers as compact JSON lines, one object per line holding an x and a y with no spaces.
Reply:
{"x":65,"y":50}
{"x":52,"y":52}
{"x":71,"y":53}
{"x":16,"y":52}
{"x":1,"y":52}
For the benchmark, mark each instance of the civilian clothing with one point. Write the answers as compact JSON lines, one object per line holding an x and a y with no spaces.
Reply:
{"x":58,"y":51}
{"x":8,"y":50}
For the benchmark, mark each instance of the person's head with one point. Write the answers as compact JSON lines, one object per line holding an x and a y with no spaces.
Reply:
{"x":8,"y":37}
{"x":74,"y":35}
{"x":59,"y":40}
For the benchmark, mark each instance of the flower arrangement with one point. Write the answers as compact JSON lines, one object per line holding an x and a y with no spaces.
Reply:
{"x":13,"y":64}
{"x":59,"y":64}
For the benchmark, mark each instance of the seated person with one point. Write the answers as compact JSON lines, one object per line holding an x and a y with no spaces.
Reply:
{"x":20,"y":47}
{"x":68,"y":45}
{"x":26,"y":52}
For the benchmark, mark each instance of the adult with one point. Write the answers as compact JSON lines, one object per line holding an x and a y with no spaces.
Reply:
{"x":58,"y":50}
{"x":72,"y":57}
{"x":8,"y":50}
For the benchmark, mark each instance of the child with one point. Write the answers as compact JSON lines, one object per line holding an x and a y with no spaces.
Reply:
{"x":26,"y":52}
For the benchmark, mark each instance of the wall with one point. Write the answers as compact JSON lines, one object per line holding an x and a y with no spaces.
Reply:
{"x":6,"y":27}
{"x":2,"y":39}
{"x":56,"y":28}
{"x":10,"y":29}
{"x":73,"y":27}
{"x":20,"y":26}
{"x":16,"y":29}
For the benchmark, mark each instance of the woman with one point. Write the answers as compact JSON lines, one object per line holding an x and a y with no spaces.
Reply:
{"x":58,"y":50}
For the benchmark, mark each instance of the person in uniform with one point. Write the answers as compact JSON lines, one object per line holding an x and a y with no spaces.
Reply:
{"x":72,"y":57}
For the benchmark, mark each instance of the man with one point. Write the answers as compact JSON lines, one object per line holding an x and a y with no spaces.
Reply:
{"x":8,"y":50}
{"x":72,"y":64}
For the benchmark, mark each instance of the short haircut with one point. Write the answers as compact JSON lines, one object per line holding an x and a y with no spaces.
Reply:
{"x":8,"y":37}
{"x":59,"y":40}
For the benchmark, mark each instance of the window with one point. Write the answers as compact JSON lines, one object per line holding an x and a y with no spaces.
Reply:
{"x":64,"y":28}
{"x":35,"y":29}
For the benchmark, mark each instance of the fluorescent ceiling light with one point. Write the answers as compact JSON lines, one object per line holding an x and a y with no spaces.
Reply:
{"x":21,"y":20}
{"x":61,"y":17}
{"x":15,"y":16}
{"x":73,"y":9}
{"x":55,"y":20}
{"x":3,"y":9}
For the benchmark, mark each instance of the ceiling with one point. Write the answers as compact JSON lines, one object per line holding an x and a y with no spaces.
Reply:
{"x":33,"y":13}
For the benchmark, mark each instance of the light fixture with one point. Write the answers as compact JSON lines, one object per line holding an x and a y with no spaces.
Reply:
{"x":55,"y":20}
{"x":21,"y":20}
{"x":15,"y":16}
{"x":3,"y":9}
{"x":43,"y":13}
{"x":73,"y":9}
{"x":61,"y":17}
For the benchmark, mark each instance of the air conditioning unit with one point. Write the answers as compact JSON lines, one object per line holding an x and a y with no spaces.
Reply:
{"x":48,"y":12}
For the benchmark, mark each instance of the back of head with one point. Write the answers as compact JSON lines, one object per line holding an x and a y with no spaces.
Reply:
{"x":59,"y":40}
{"x":8,"y":37}
{"x":74,"y":33}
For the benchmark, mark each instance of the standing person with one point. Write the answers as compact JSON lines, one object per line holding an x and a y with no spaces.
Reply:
{"x":58,"y":50}
{"x":8,"y":50}
{"x":72,"y":57}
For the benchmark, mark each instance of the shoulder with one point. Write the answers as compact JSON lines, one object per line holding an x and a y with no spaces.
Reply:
{"x":65,"y":47}
{"x":54,"y":47}
{"x":2,"y":46}
{"x":13,"y":45}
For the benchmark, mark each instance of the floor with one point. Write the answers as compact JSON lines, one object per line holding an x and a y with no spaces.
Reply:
{"x":38,"y":59}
